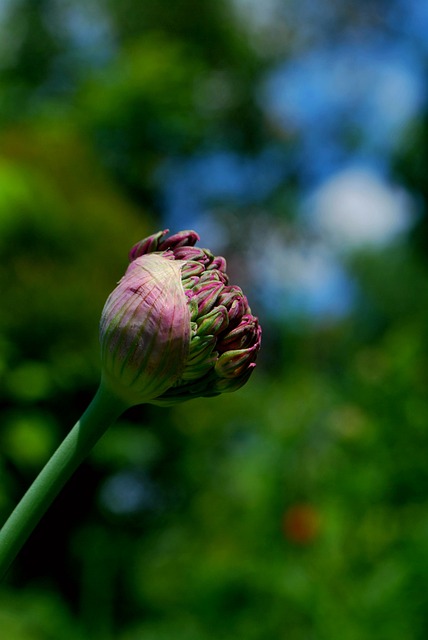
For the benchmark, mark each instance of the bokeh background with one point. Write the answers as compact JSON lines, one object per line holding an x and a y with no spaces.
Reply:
{"x":293,"y":136}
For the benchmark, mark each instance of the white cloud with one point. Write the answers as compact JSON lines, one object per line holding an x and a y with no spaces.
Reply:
{"x":355,"y":207}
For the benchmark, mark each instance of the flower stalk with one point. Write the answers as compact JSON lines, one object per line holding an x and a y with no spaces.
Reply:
{"x":104,"y":409}
{"x":173,"y":329}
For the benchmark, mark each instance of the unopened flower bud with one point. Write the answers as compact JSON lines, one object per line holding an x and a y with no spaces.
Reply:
{"x":145,"y":330}
{"x":174,"y":329}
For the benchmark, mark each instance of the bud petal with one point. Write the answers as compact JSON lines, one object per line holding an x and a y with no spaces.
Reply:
{"x":226,"y":385}
{"x":232,"y":363}
{"x":213,"y":275}
{"x":206,"y":295}
{"x":148,"y":245}
{"x":190,"y":282}
{"x":201,"y":357}
{"x":192,"y":268}
{"x":213,"y":322}
{"x":180,"y":239}
{"x":235,"y":302}
{"x":218,"y":263}
{"x":193,"y":253}
{"x":243,"y":335}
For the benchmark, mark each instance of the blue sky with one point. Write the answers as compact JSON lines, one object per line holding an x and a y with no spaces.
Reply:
{"x":338,"y":109}
{"x":346,"y":107}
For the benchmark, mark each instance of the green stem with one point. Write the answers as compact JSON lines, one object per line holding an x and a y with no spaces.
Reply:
{"x":101,"y":413}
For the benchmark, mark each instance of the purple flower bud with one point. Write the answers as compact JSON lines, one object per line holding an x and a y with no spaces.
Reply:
{"x":174,"y":329}
{"x":145,"y":330}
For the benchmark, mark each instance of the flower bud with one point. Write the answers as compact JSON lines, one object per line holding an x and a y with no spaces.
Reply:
{"x":174,"y":329}
{"x":145,"y":330}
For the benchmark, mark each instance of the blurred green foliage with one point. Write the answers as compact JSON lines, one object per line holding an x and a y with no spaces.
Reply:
{"x":295,"y":508}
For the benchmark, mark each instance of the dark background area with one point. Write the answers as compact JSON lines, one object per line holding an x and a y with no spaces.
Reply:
{"x":292,"y":135}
